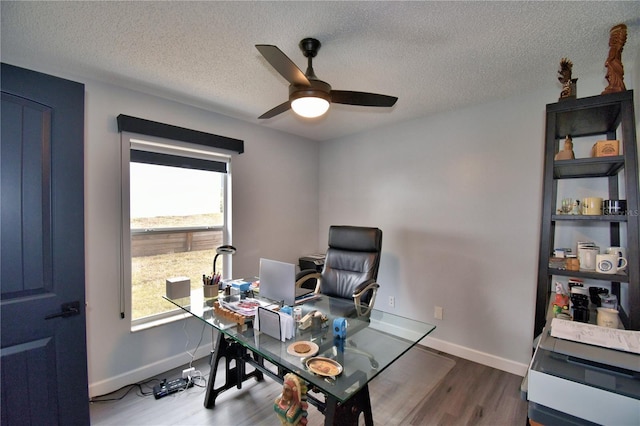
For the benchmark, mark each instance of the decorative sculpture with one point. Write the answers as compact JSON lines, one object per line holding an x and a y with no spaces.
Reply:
{"x":567,"y":152}
{"x":561,"y":302}
{"x":568,"y":84}
{"x":575,"y":208}
{"x":615,"y":70}
{"x":291,"y":405}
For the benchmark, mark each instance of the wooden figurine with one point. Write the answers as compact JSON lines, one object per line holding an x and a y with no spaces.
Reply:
{"x":615,"y":70}
{"x":564,"y":77}
{"x":567,"y":152}
{"x":291,"y":405}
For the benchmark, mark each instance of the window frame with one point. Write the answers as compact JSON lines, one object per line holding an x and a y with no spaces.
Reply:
{"x":132,"y":141}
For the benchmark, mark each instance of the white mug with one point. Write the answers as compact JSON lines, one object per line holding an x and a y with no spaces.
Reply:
{"x":609,"y":263}
{"x":620,"y":251}
{"x":587,"y":257}
{"x":607,"y":318}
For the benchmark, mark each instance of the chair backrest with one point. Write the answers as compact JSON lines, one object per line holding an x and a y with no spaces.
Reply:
{"x":353,"y":257}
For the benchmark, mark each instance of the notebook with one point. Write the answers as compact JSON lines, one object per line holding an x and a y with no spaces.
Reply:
{"x":278,"y":282}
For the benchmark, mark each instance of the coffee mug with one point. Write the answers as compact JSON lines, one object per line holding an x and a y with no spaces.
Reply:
{"x":609,"y":263}
{"x":620,"y":251}
{"x":595,"y":294}
{"x":587,"y":257}
{"x":614,"y":207}
{"x":607,"y":318}
{"x":592,"y":206}
{"x":608,"y":301}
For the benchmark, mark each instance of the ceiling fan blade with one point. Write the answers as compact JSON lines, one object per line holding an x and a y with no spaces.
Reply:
{"x":283,"y":64}
{"x":362,"y":98}
{"x":285,"y":106}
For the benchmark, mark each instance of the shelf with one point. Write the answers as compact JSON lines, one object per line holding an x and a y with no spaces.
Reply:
{"x":609,"y":116}
{"x":619,"y":278}
{"x":587,"y":167}
{"x":590,"y":116}
{"x":587,"y":218}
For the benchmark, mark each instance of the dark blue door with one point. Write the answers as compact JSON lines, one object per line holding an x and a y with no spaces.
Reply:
{"x":44,"y":355}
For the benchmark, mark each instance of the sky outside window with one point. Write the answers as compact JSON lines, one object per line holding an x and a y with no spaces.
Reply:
{"x":160,"y":191}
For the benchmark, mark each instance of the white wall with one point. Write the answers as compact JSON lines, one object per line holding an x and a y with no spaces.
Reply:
{"x":458,"y":197}
{"x":275,"y":214}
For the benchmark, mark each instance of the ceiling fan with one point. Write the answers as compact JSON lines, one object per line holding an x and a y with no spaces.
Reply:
{"x":309,"y":96}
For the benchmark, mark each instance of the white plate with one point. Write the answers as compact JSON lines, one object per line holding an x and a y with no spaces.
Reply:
{"x":291,"y":350}
{"x":324,"y":366}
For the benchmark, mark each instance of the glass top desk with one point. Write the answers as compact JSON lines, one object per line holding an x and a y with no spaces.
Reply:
{"x":372,"y":344}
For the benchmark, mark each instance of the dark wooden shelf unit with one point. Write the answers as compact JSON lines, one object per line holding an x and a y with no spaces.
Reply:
{"x":623,"y":278}
{"x":588,"y":167}
{"x":597,"y":115}
{"x":580,"y":218}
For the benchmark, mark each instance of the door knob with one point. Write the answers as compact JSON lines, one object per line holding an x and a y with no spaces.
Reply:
{"x":66,"y":310}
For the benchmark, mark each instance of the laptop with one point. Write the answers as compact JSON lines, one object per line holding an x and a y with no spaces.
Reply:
{"x":278,"y":282}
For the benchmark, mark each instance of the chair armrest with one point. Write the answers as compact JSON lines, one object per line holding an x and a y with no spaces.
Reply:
{"x":361,"y":290}
{"x":308,"y":274}
{"x":364,"y":287}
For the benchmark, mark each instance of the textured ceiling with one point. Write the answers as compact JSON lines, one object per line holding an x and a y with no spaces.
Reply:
{"x":434,"y":56}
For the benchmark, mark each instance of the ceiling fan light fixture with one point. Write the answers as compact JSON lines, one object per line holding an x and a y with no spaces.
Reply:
{"x":310,"y":106}
{"x":308,"y":96}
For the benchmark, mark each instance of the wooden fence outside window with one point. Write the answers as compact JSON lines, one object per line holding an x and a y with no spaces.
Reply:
{"x":154,"y":242}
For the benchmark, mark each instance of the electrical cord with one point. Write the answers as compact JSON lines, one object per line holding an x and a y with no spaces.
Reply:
{"x":186,"y":346}
{"x":196,"y":377}
{"x":129,"y":387}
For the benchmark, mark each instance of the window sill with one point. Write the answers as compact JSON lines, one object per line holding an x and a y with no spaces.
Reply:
{"x":140,"y":326}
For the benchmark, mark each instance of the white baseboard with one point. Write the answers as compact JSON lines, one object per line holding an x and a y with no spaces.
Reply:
{"x":143,"y":373}
{"x":476,"y":356}
{"x":140,"y":374}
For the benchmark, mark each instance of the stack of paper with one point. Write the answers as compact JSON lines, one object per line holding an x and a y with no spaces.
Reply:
{"x":276,"y":324}
{"x":246,"y":307}
{"x":612,"y":338}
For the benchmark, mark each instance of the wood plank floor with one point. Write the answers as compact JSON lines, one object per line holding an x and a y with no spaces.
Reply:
{"x":469,"y":394}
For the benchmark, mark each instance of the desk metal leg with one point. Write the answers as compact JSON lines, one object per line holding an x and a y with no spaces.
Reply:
{"x":349,"y":412}
{"x":234,"y":376}
{"x":336,"y":414}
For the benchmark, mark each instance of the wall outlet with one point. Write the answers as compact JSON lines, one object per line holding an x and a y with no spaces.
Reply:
{"x":438,"y":312}
{"x":392,"y":301}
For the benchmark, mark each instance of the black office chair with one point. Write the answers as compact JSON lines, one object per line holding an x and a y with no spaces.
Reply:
{"x":350,"y":267}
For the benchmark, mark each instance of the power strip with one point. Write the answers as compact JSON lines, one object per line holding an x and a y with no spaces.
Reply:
{"x":167,"y":388}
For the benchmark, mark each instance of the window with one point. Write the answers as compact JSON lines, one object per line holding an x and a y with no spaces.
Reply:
{"x":175,"y":213}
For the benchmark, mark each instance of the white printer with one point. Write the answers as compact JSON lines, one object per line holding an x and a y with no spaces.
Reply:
{"x":573,"y":383}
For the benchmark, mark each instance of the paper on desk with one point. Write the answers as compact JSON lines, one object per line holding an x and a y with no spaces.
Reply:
{"x":246,"y":306}
{"x":287,"y":327}
{"x":624,"y":340}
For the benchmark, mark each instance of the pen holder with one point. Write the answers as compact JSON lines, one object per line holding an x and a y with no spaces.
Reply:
{"x":211,"y":290}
